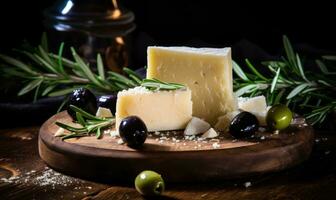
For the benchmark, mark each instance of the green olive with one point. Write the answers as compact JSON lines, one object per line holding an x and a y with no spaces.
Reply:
{"x":149,"y":183}
{"x":279,"y":117}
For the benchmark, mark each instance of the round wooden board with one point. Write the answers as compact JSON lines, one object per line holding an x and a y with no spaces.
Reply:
{"x":176,"y":158}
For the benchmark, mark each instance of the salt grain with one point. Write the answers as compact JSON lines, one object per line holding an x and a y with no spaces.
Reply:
{"x":47,"y":178}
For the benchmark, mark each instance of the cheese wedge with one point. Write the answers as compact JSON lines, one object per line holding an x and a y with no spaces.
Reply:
{"x":160,"y":110}
{"x":206,"y":71}
{"x":255,"y":105}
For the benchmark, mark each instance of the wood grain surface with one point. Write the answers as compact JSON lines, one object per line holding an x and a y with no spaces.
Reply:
{"x":20,"y":162}
{"x":185,"y":161}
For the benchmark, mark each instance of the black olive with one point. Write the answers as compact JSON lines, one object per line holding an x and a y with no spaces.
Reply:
{"x":133,"y":131}
{"x":244,"y":125}
{"x":108,"y":101}
{"x":83,"y":99}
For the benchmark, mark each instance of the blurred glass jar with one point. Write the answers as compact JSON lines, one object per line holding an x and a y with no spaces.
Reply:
{"x":92,"y":26}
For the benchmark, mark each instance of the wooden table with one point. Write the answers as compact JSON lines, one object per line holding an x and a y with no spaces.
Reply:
{"x":23,"y":175}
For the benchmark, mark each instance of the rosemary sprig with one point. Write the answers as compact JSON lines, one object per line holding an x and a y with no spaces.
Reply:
{"x":89,"y":124}
{"x":309,"y":93}
{"x":49,"y":74}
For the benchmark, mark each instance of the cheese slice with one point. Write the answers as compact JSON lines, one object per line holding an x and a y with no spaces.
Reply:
{"x":160,"y":110}
{"x":206,"y":71}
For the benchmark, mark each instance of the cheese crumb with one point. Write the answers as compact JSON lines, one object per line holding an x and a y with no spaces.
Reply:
{"x":211,"y":133}
{"x":103,"y":112}
{"x":120,"y":141}
{"x":215,"y":145}
{"x":196,"y":126}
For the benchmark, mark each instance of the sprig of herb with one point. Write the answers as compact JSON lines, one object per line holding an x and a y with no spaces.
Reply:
{"x":89,"y":124}
{"x":305,"y":91}
{"x":49,"y":74}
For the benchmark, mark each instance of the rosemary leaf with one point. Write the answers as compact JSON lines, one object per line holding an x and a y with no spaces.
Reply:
{"x":246,"y":89}
{"x":254,"y":70}
{"x":70,"y":128}
{"x":80,"y":119}
{"x":85,"y":114}
{"x":18,"y":64}
{"x":133,"y":75}
{"x":299,"y":64}
{"x":62,"y":92}
{"x":297,"y":90}
{"x":47,"y":59}
{"x":324,"y":68}
{"x":60,"y":61}
{"x":239,"y":71}
{"x":46,"y":65}
{"x":275,"y":80}
{"x":30,"y":86}
{"x":66,"y":62}
{"x":37,"y":92}
{"x":100,"y":67}
{"x":122,"y":79}
{"x":84,"y":68}
{"x":99,"y":133}
{"x":289,"y":51}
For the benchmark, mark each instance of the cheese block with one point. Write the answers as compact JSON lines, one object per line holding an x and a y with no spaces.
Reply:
{"x":160,"y":110}
{"x":206,"y":71}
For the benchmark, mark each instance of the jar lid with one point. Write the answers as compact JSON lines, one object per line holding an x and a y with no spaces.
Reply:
{"x":88,"y":15}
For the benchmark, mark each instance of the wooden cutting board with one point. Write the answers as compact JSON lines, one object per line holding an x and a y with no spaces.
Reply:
{"x":176,"y":158}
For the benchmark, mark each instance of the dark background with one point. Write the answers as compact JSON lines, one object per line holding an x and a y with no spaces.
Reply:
{"x":253,"y":29}
{"x":177,"y":22}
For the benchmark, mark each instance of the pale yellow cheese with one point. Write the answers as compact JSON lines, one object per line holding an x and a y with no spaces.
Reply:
{"x":206,"y":71}
{"x":160,"y":110}
{"x":255,"y":105}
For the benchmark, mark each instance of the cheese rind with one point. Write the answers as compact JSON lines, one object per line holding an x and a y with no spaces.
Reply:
{"x":160,"y":110}
{"x":206,"y":71}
